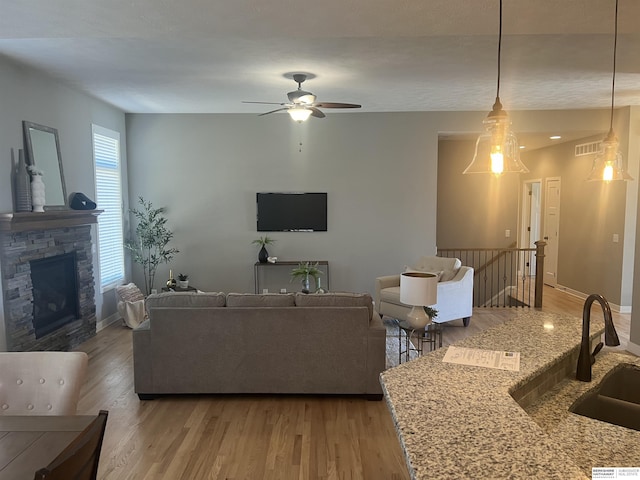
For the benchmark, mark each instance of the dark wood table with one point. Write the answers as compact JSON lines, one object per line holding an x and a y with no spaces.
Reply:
{"x":28,"y":443}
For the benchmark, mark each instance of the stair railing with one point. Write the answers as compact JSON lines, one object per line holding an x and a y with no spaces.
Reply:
{"x":504,"y":277}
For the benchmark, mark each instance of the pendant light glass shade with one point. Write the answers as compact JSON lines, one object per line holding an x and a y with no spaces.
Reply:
{"x":497,"y":149}
{"x":299,"y":114}
{"x":607,"y":164}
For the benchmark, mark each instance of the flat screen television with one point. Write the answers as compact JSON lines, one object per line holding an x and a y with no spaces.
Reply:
{"x":291,"y":212}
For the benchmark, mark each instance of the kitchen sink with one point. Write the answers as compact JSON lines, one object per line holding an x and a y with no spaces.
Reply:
{"x":615,"y":400}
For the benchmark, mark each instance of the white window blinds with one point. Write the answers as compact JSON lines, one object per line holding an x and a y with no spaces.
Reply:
{"x":106,"y":158}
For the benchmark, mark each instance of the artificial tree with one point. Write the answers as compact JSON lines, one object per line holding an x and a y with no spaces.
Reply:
{"x":149,"y":247}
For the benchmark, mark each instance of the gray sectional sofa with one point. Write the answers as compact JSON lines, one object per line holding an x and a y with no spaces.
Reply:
{"x":212,"y":343}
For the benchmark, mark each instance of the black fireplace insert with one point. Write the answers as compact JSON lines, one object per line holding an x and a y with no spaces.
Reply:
{"x":55,"y":292}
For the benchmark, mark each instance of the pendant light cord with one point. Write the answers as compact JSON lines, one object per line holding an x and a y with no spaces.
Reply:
{"x":613,"y":79}
{"x":500,"y":49}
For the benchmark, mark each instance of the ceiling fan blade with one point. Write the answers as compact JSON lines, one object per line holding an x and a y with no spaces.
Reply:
{"x":316,"y":113}
{"x":273,"y":111}
{"x":267,"y":103}
{"x":336,"y":105}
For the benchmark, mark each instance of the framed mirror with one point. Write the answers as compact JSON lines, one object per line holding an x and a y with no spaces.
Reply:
{"x":43,"y":152}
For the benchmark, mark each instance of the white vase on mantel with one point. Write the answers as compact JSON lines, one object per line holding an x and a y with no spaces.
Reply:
{"x":37,"y":193}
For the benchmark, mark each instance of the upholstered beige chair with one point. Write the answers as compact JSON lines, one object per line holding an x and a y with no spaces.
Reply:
{"x":455,"y":290}
{"x":41,"y":383}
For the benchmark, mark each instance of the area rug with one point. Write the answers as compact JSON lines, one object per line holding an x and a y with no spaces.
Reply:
{"x":392,"y":343}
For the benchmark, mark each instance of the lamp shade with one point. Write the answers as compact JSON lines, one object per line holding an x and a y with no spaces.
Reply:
{"x":418,"y":289}
{"x":299,"y":114}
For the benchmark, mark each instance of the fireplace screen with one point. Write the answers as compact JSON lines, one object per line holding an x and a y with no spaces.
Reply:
{"x":55,"y":292}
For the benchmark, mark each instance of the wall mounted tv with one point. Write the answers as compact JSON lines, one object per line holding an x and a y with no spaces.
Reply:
{"x":291,"y":212}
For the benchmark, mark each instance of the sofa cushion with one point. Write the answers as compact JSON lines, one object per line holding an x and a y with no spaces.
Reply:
{"x":186,"y":299}
{"x":260,"y":300}
{"x":335,"y":299}
{"x":448,"y":266}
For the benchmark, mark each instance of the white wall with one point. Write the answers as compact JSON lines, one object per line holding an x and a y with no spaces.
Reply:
{"x":206,"y":169}
{"x":27,"y":95}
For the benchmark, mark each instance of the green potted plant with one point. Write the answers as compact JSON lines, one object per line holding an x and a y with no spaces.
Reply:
{"x":183,"y":280}
{"x":303,"y":271}
{"x":263,"y":242}
{"x":431,"y":312}
{"x":149,"y":246}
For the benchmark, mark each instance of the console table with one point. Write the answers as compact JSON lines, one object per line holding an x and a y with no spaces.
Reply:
{"x":275,"y":277}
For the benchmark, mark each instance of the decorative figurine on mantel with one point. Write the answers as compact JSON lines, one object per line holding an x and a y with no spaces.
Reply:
{"x":37,"y":189}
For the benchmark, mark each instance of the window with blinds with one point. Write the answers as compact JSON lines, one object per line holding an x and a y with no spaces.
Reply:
{"x":106,"y":159}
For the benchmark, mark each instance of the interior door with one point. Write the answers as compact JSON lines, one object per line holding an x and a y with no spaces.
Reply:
{"x":551,"y":230}
{"x":530,"y":225}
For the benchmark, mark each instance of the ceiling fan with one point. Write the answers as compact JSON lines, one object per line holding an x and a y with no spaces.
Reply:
{"x":302,"y":104}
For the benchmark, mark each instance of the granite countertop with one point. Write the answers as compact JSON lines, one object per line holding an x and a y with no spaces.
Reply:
{"x":457,"y":421}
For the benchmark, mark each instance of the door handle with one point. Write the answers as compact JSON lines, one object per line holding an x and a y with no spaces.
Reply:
{"x":545,"y":238}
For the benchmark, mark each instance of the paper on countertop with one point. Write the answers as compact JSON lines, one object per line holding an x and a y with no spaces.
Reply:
{"x":483,"y":358}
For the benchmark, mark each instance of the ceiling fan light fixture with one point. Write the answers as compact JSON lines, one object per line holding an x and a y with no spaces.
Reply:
{"x":497,"y":149}
{"x":299,"y":114}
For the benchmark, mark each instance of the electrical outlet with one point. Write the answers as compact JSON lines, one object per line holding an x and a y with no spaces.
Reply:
{"x":616,"y":238}
{"x":265,"y":290}
{"x":507,"y":233}
{"x":283,"y":290}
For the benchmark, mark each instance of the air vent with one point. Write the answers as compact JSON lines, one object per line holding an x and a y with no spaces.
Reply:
{"x":587,"y":148}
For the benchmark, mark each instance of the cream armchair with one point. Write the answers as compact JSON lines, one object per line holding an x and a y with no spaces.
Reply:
{"x":455,"y":290}
{"x":41,"y":383}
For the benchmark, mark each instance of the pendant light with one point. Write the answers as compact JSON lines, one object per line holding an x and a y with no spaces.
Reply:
{"x":607,"y":164}
{"x":497,"y":148}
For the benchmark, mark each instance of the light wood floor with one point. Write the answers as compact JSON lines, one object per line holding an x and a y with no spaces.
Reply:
{"x":219,"y":437}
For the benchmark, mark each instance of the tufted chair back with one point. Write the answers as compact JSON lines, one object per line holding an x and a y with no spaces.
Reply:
{"x":41,"y":383}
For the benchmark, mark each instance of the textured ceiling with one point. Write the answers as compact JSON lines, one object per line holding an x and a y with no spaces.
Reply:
{"x":204,"y":56}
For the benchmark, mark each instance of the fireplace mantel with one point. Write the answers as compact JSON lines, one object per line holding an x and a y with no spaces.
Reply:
{"x":25,"y":221}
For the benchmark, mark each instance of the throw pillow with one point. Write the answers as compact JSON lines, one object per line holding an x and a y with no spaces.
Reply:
{"x":130,"y":304}
{"x":335,"y":299}
{"x":449,"y":266}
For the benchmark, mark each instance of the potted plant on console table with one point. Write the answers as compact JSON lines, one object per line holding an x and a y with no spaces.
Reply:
{"x":263,"y":242}
{"x":303,"y":271}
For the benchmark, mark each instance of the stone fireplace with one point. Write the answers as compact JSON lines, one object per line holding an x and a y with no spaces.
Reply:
{"x":47,"y":279}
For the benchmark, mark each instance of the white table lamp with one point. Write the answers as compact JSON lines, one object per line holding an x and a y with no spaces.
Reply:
{"x":418,"y":290}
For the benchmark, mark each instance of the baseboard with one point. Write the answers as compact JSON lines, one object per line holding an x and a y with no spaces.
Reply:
{"x":583,"y":296}
{"x":633,"y":348}
{"x":105,"y":322}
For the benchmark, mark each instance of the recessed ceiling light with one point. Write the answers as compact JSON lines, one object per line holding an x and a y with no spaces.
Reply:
{"x":555,"y":137}
{"x":522,"y":146}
